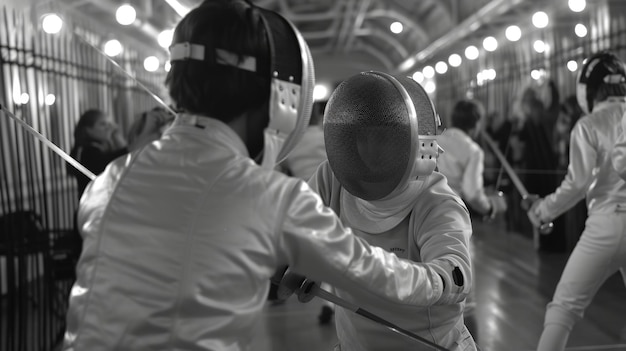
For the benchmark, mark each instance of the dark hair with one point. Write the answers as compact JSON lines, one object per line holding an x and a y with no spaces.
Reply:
{"x":606,"y":90}
{"x":466,"y":114}
{"x":216,"y":90}
{"x":571,"y":108}
{"x":86,"y":120}
{"x":594,"y":72}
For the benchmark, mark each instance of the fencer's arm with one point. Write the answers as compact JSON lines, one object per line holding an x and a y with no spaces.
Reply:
{"x":578,"y":178}
{"x":316,"y":244}
{"x":472,"y":185}
{"x":443,"y":235}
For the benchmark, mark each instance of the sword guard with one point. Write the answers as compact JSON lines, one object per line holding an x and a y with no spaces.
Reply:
{"x":306,"y":291}
{"x":527,"y":202}
{"x":546,"y":228}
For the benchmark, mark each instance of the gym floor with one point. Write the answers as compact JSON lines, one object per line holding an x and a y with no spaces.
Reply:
{"x":514,"y":282}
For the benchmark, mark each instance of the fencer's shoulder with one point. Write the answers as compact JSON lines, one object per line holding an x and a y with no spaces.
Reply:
{"x":457,"y":141}
{"x":436,"y":192}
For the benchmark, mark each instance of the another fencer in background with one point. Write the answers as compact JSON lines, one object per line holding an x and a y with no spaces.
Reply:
{"x":182,"y":236}
{"x":601,"y":249}
{"x":462,"y":162}
{"x":380,"y":134}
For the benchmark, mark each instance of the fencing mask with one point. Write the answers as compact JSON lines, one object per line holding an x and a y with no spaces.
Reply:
{"x":380,"y":132}
{"x":600,"y":68}
{"x":292,"y":80}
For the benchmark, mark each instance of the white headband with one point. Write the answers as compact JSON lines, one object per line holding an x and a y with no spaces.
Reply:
{"x":186,"y":51}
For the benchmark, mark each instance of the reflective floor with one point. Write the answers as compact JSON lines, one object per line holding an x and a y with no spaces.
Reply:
{"x":514,"y":283}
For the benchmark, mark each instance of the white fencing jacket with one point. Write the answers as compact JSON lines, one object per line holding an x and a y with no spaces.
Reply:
{"x":434,"y":233}
{"x":462,"y":162}
{"x":181,"y":238}
{"x":590,"y":173}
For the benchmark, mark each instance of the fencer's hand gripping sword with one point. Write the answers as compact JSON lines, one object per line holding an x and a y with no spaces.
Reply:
{"x":527,"y":199}
{"x":306,"y":290}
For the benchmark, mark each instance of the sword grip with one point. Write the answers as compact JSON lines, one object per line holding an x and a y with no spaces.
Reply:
{"x":527,"y":202}
{"x":546,"y":228}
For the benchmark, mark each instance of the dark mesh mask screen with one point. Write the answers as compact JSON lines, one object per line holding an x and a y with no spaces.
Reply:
{"x":368,"y":136}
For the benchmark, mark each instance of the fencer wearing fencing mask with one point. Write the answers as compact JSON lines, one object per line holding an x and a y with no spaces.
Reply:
{"x":380,"y":133}
{"x":182,"y":236}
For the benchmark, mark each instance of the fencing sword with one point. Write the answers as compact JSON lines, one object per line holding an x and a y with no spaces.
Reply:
{"x":69,"y":159}
{"x":527,"y":199}
{"x":121,"y":69}
{"x":306,"y":290}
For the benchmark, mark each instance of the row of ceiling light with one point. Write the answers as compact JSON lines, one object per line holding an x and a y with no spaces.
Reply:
{"x":125,"y":15}
{"x":512,"y":33}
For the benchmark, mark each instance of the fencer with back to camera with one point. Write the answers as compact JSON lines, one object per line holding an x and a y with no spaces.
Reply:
{"x":182,"y":235}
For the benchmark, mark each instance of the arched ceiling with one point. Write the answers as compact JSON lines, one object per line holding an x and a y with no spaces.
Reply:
{"x":345,"y":36}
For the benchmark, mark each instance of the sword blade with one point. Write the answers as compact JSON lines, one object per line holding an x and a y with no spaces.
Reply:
{"x":527,"y":198}
{"x":505,"y":164}
{"x":69,"y":159}
{"x":309,"y":289}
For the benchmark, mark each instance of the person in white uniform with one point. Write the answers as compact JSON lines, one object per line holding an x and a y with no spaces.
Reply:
{"x":182,"y":236}
{"x":601,"y":249}
{"x":462,"y":162}
{"x":380,"y":135}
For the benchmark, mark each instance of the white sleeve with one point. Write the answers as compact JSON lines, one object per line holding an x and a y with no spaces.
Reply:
{"x":317,"y":245}
{"x":472,"y":183}
{"x":582,"y":158}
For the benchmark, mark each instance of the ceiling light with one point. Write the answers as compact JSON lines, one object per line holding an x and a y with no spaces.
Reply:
{"x":430,"y":87}
{"x":513,"y":33}
{"x":490,"y":43}
{"x":418,"y":77}
{"x":540,"y":19}
{"x":151,"y":63}
{"x":165,"y":38}
{"x":396,"y":27}
{"x":441,"y":67}
{"x":428,"y":72}
{"x":320,"y":92}
{"x":580,"y":30}
{"x":125,"y":14}
{"x":576,"y":5}
{"x":51,"y":23}
{"x":455,"y":60}
{"x":572,"y":65}
{"x":471,"y":52}
{"x":539,"y":46}
{"x":50,"y":99}
{"x":113,"y":47}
